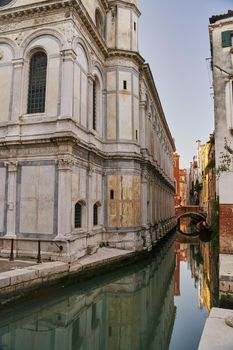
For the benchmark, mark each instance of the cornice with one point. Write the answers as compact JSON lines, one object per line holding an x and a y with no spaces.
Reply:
{"x":44,"y":7}
{"x":221,"y":23}
{"x":28,"y":9}
{"x":105,"y":4}
{"x":86,"y":19}
{"x":133,"y":55}
{"x":149,"y":78}
{"x":125,"y":4}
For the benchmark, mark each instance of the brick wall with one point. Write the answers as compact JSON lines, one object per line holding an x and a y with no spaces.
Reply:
{"x":226,"y":228}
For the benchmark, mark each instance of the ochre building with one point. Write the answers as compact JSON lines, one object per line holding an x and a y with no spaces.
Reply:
{"x":86,"y":155}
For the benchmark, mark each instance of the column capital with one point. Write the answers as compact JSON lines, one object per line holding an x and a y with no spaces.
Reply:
{"x":18,"y":62}
{"x":12,"y":165}
{"x":90,"y":77}
{"x":65,"y":163}
{"x":68,"y":55}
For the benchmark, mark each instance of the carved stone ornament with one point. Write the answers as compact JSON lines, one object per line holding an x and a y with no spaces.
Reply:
{"x":12,"y":165}
{"x":19,"y":38}
{"x":1,"y":54}
{"x":65,"y":163}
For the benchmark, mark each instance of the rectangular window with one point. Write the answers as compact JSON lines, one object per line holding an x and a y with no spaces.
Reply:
{"x":95,"y":215}
{"x":125,"y":84}
{"x":135,"y":26}
{"x":111,"y":194}
{"x":136,"y":135}
{"x":227,"y":38}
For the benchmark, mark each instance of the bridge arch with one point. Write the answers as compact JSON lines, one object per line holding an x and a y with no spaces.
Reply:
{"x":203,"y":216}
{"x":189,"y":210}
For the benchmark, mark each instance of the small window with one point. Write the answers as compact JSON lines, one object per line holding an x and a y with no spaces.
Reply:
{"x":95,"y":214}
{"x":111,"y":194}
{"x":125,"y":84}
{"x":227,"y":38}
{"x":135,"y":26}
{"x":136,"y":135}
{"x":78,"y":216}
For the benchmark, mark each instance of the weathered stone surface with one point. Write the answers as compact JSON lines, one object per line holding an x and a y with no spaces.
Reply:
{"x":47,"y":269}
{"x":4,"y":281}
{"x":217,"y":335}
{"x":76,"y":267}
{"x":20,"y":275}
{"x":229,"y":321}
{"x":225,"y":267}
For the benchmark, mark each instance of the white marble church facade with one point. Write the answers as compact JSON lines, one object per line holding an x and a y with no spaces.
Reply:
{"x":86,"y":155}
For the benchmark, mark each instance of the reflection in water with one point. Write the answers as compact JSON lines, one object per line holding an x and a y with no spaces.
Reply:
{"x":133,"y":311}
{"x":159,"y":304}
{"x":195,"y":289}
{"x":186,"y":225}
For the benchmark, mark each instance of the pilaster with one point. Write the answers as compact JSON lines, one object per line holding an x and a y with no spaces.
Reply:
{"x":144,"y":198}
{"x":64,"y":196}
{"x":16,"y":88}
{"x":67,"y":88}
{"x":11,"y":199}
{"x":89,"y":201}
{"x":90,"y":101}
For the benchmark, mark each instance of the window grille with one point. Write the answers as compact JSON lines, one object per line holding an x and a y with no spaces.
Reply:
{"x":37,"y":83}
{"x":95,"y":215}
{"x":78,"y":216}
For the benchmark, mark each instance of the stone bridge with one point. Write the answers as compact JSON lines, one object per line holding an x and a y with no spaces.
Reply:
{"x":188,"y":210}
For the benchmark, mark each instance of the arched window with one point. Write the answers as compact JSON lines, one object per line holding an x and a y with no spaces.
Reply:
{"x":78,"y":215}
{"x":37,"y":83}
{"x":99,"y":22}
{"x":95,"y":214}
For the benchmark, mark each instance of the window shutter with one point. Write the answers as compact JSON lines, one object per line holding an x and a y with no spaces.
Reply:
{"x":226,"y":38}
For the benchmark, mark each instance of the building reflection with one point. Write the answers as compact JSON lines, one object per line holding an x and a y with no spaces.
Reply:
{"x":187,"y":226}
{"x":133,"y":311}
{"x":202,"y":265}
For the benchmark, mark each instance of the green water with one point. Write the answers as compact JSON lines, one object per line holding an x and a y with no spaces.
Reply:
{"x":157,"y":304}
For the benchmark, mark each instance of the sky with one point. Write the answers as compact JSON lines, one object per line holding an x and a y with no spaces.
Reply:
{"x":174,"y":40}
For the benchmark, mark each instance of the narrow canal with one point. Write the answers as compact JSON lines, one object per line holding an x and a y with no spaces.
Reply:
{"x":161,"y":303}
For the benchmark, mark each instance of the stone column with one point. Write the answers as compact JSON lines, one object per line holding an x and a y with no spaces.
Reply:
{"x":16,"y":88}
{"x":67,"y":87}
{"x":64,"y":196}
{"x":144,"y":198}
{"x":142,"y":124}
{"x":11,"y":199}
{"x":89,"y":200}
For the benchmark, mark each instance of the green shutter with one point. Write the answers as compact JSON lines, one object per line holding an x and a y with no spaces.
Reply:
{"x":226,"y":38}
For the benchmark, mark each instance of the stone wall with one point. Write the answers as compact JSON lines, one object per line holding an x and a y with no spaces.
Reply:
{"x":103,"y":129}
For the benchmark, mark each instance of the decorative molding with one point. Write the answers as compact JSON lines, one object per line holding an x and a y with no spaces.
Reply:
{"x":12,"y":165}
{"x":65,"y":163}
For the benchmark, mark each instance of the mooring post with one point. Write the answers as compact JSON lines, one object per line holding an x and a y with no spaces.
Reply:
{"x":12,"y":250}
{"x":38,"y":254}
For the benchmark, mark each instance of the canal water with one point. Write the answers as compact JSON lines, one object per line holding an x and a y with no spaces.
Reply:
{"x":158,"y":304}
